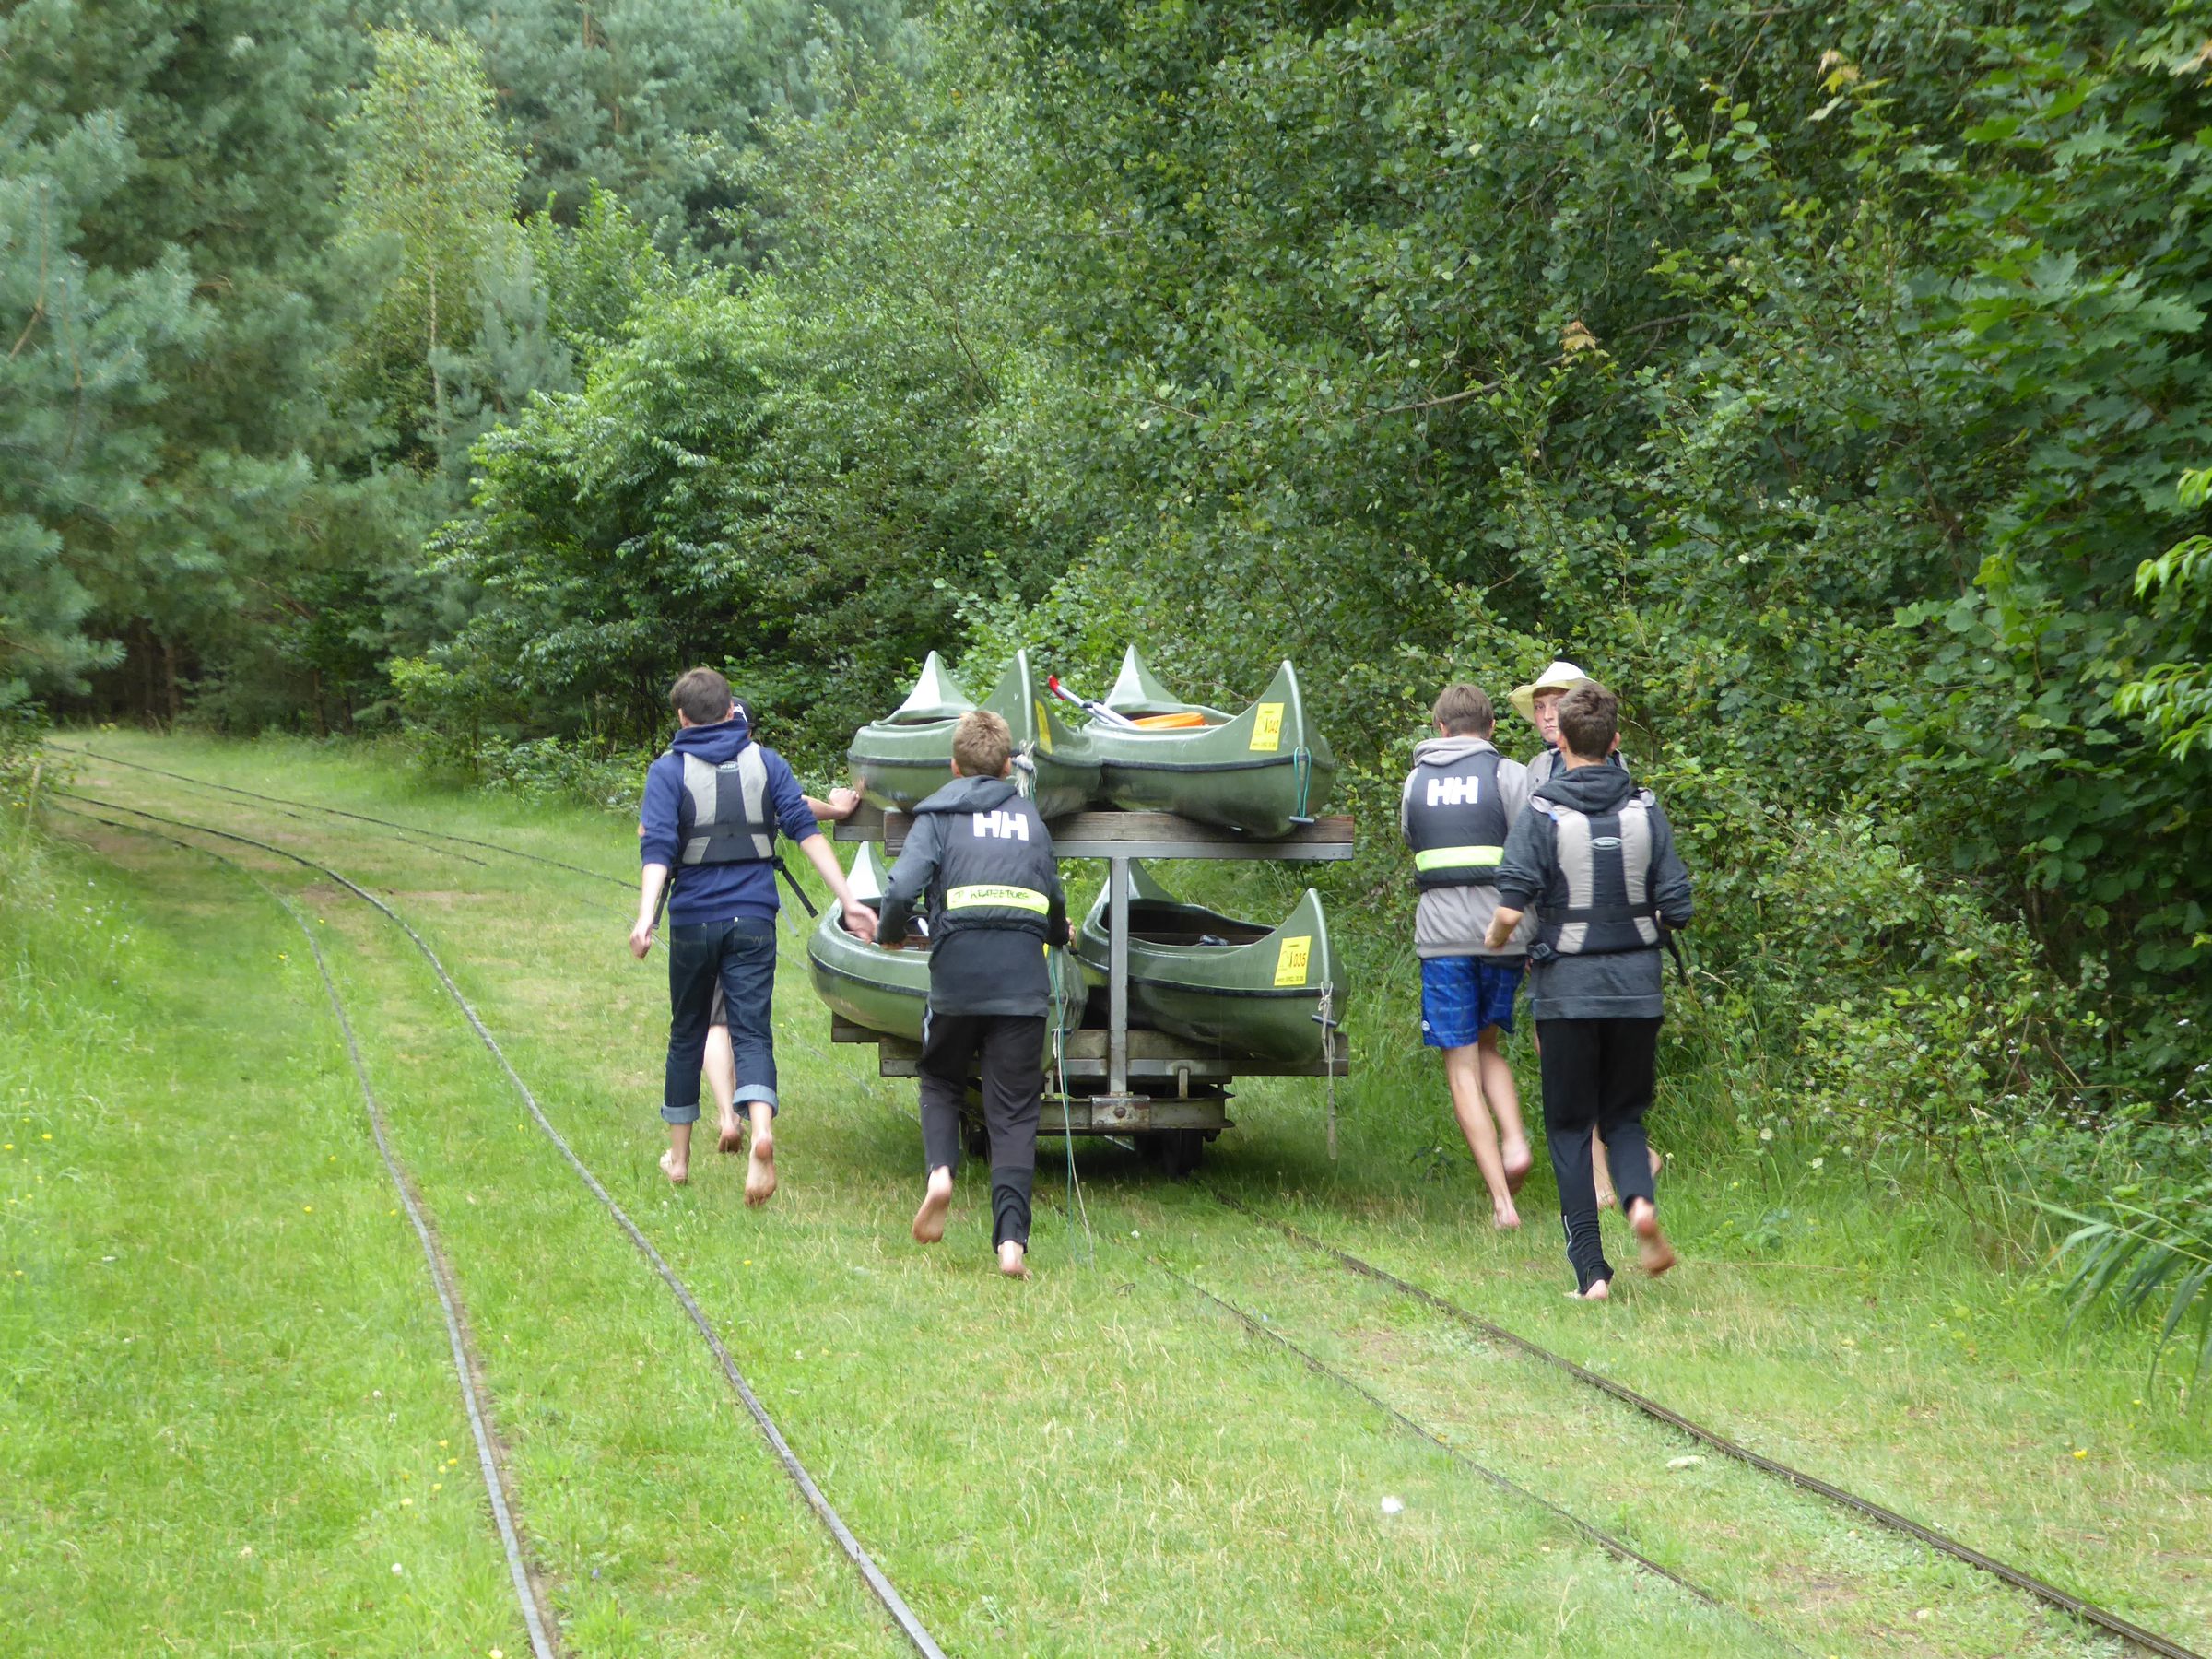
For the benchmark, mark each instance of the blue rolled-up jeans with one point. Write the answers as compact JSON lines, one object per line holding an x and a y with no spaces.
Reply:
{"x":740,"y":956}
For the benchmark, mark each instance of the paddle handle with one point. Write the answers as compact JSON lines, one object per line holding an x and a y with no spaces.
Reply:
{"x":1097,"y":710}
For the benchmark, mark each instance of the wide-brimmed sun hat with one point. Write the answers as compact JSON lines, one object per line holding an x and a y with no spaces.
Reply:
{"x":1563,"y":676}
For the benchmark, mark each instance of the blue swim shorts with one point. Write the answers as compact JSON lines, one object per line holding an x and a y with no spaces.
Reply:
{"x":1462,"y":996}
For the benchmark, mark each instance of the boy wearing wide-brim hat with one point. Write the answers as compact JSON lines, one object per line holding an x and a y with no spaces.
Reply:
{"x":1538,"y":703}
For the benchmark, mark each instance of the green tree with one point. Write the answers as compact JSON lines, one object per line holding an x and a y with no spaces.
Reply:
{"x":431,"y":185}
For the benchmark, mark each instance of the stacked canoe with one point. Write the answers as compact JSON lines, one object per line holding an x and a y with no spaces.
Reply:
{"x":1239,"y":988}
{"x":1264,"y":770}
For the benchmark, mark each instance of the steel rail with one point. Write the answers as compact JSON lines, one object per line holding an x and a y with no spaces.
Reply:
{"x":536,"y":1620}
{"x":1618,"y":1547}
{"x":362,"y":818}
{"x":886,"y":1593}
{"x":2064,"y":1600}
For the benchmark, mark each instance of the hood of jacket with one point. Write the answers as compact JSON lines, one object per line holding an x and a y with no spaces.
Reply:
{"x":713,"y":744}
{"x":1445,"y":751}
{"x":1589,"y":789}
{"x":971,"y":795}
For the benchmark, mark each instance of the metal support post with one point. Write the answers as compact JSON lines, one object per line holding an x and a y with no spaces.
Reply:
{"x":1117,"y":978}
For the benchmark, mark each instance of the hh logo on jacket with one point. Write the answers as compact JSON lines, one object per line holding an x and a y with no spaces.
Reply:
{"x":1455,"y":792}
{"x":1003,"y":824}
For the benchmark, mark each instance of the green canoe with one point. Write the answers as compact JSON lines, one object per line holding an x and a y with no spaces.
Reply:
{"x":1211,"y":979}
{"x":1262,"y":771}
{"x":887,"y":988}
{"x":901,"y":760}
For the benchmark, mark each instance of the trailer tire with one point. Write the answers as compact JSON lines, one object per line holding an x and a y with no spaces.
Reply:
{"x":1181,"y":1151}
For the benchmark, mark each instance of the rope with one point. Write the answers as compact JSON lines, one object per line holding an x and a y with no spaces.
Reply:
{"x":1067,"y":1128}
{"x":1328,"y":1057}
{"x":885,"y":1592}
{"x":441,"y":1279}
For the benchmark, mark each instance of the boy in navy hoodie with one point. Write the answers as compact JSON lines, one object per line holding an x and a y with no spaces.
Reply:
{"x":714,"y":805}
{"x":1594,"y":857}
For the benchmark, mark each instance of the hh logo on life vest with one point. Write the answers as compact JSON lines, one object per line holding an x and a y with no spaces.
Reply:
{"x":1455,"y":792}
{"x":1004,"y":824}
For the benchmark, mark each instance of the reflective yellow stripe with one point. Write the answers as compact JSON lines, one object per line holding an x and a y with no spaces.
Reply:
{"x":1002,"y":898}
{"x":1440,"y":857}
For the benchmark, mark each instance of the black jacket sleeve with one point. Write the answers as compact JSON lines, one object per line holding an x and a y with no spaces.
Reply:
{"x":1056,"y":930}
{"x":911,"y":880}
{"x":1524,"y":868}
{"x":1670,"y":876}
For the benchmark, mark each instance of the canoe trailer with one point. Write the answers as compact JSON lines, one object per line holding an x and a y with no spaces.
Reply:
{"x":1168,"y":1095}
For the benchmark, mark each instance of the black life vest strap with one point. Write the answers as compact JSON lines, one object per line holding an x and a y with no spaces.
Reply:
{"x":1603,"y":913}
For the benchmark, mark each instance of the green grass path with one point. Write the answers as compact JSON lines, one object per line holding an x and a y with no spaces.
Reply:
{"x":1094,"y":1463}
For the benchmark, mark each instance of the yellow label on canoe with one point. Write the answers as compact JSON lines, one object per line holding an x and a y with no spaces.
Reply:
{"x":1268,"y":728}
{"x":1291,"y":966}
{"x":1044,"y":728}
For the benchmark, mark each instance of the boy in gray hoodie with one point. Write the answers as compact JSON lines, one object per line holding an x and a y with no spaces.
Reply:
{"x":1461,"y":799}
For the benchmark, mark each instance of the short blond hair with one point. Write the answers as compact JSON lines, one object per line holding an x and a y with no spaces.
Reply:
{"x":981,"y":744}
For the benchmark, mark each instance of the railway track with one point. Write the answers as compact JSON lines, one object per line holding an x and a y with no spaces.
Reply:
{"x":2064,"y":1601}
{"x":2134,"y":1636}
{"x":909,"y":1625}
{"x":537,"y":1616}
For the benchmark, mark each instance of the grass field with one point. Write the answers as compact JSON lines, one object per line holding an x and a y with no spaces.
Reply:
{"x":231,"y":1423}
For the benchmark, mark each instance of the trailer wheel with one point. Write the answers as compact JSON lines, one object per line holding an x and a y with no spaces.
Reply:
{"x":1180,"y":1150}
{"x":975,"y":1137}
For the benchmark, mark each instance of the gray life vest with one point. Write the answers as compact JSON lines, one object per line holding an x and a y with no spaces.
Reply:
{"x":1455,"y":821}
{"x":1548,"y":763}
{"x":1605,"y":863}
{"x":996,"y":869}
{"x":731,"y":818}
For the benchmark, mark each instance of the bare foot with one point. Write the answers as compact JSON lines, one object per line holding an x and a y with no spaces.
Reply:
{"x":760,"y":1169}
{"x":1011,"y":1260}
{"x":1600,"y":1291}
{"x":1605,"y":1200}
{"x":1519,"y":1162}
{"x":929,"y":1220}
{"x":1658,"y":1161}
{"x":1504,"y":1217}
{"x":676,"y":1172}
{"x":731,"y":1134}
{"x":1653,"y":1254}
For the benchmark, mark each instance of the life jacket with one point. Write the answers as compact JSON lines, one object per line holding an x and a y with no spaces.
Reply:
{"x":1455,"y":821}
{"x":1605,"y":860}
{"x":995,"y":868}
{"x":1546,"y":763}
{"x":731,"y":821}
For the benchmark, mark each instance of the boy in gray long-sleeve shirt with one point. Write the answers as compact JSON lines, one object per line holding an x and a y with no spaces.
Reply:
{"x":1594,"y":857}
{"x":1460,"y":799}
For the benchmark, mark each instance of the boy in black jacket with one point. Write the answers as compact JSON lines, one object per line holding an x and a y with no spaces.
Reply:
{"x":1594,"y":857}
{"x":983,"y":858}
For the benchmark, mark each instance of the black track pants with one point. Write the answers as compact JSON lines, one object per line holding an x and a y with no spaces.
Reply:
{"x":1012,"y":1046}
{"x":1597,"y":1078}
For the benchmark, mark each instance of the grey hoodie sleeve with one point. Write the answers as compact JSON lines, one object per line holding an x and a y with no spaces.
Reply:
{"x":1526,"y":866}
{"x":1670,"y":877}
{"x":1514,"y":788}
{"x":910,"y":878}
